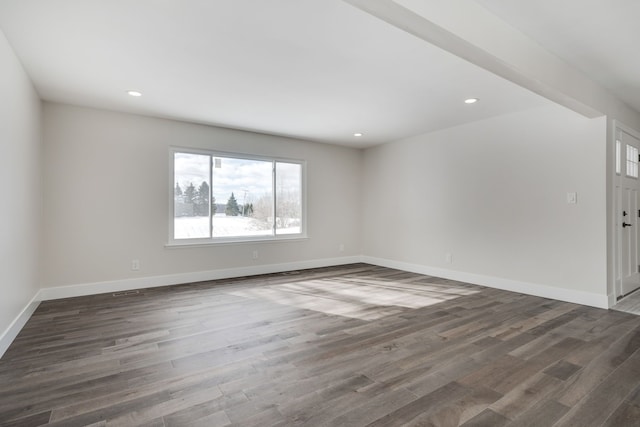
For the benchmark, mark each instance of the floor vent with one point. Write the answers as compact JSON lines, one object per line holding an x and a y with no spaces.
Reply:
{"x":123,"y":293}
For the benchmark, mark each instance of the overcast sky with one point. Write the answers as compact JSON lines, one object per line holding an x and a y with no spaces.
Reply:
{"x":245,"y":178}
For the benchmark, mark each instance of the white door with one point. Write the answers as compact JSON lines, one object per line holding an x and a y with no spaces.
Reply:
{"x":628,"y":212}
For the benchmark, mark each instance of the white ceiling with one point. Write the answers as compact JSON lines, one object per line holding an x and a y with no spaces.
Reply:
{"x":313,"y":69}
{"x":598,"y":37}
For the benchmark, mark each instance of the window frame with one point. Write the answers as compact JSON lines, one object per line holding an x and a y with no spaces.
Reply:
{"x":631,"y":165}
{"x":207,"y":241}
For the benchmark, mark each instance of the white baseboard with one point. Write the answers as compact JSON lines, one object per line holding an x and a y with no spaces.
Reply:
{"x":545,"y":291}
{"x":18,"y":323}
{"x":562,"y":294}
{"x":175,"y":279}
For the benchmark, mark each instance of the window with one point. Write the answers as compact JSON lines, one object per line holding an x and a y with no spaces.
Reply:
{"x":632,"y":161}
{"x":228,"y":197}
{"x":618,"y":155}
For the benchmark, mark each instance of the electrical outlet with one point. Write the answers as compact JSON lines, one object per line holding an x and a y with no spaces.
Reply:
{"x":135,"y":264}
{"x":255,"y":255}
{"x":341,"y":247}
{"x":448,"y":258}
{"x":572,"y":198}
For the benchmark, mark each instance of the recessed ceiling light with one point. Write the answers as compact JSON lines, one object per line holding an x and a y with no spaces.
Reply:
{"x":134,"y":93}
{"x":471,"y":101}
{"x":357,"y":134}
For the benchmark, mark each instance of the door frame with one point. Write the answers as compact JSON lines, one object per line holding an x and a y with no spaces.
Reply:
{"x":617,"y":207}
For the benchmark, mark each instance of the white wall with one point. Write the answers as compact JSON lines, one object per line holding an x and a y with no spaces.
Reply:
{"x":20,"y":153}
{"x":469,"y":30}
{"x":493,"y":193}
{"x":107,"y":198}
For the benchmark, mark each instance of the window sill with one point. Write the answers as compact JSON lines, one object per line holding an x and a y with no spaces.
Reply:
{"x":239,"y":241}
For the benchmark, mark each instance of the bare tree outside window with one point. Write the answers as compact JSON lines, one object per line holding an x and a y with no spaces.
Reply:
{"x":288,"y":198}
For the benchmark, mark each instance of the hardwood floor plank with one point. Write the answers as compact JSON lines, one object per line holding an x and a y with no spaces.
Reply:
{"x":38,"y":419}
{"x":458,"y":411}
{"x":543,"y":414}
{"x":487,"y":418}
{"x":349,"y":345}
{"x":598,"y":369}
{"x":218,"y":419}
{"x":562,"y":370}
{"x":597,"y":406}
{"x":626,"y":415}
{"x":524,"y":396}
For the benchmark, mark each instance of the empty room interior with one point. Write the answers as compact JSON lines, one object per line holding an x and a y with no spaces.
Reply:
{"x":319,"y":212}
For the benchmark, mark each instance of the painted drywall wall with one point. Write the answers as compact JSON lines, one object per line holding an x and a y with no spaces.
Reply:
{"x":106,"y":197}
{"x":494,"y":195}
{"x":20,"y":156}
{"x":528,"y":64}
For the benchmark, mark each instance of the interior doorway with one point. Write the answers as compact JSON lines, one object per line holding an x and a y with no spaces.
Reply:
{"x":627,"y":216}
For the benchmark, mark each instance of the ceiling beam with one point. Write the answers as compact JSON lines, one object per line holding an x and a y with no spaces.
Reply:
{"x":548,"y":76}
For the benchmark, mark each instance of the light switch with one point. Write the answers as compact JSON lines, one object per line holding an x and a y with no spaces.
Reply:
{"x":572,"y":198}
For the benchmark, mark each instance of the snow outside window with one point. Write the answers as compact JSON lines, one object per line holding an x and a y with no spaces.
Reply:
{"x":219,"y":197}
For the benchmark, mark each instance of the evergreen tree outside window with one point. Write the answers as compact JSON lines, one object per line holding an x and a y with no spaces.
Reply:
{"x":232,"y":207}
{"x":224,"y":197}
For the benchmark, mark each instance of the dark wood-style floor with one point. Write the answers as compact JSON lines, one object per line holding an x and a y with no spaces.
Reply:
{"x":344,"y":346}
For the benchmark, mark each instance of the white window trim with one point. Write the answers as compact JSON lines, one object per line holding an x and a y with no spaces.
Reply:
{"x":213,"y":241}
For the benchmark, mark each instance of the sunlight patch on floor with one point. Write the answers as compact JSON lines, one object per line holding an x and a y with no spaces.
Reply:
{"x":356,"y":298}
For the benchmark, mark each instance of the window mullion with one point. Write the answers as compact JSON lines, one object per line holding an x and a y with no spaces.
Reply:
{"x":210,"y":197}
{"x":273,"y":184}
